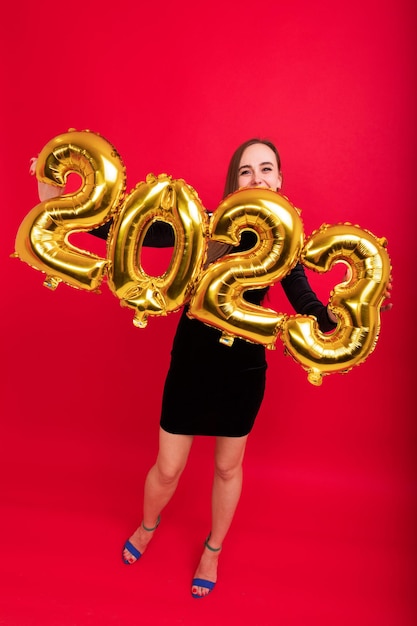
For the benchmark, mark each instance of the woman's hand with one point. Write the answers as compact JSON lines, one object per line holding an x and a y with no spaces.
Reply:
{"x":386,"y":305}
{"x":45,"y":191}
{"x":331,"y":315}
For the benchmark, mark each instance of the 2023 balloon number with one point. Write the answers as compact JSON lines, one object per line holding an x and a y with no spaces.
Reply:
{"x":215,"y":294}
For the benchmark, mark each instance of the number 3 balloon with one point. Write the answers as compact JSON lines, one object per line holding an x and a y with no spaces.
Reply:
{"x":356,"y":302}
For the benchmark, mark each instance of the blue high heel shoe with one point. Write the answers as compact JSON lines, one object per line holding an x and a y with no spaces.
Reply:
{"x":132,"y":549}
{"x":201,"y":582}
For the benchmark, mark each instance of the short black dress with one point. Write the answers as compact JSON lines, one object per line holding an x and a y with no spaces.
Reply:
{"x":213,"y":389}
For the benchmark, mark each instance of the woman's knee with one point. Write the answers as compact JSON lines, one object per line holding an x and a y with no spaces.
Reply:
{"x":229,"y":457}
{"x":228,"y":471}
{"x":172,"y":456}
{"x":169,"y":473}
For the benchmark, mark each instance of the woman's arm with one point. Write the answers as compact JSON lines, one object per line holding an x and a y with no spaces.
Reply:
{"x":304,"y":300}
{"x":159,"y":235}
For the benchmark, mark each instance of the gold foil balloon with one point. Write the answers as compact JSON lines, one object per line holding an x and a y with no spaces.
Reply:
{"x":215,"y":292}
{"x":42,"y":240}
{"x":219,"y":297}
{"x":176,"y":203}
{"x":355,"y":302}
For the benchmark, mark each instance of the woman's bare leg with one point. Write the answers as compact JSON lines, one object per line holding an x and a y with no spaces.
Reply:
{"x":227,"y":487}
{"x":160,"y":485}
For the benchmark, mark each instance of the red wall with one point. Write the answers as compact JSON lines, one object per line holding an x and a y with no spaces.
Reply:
{"x":175,"y":87}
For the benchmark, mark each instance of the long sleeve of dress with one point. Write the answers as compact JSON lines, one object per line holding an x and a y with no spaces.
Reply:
{"x":159,"y":235}
{"x":304,"y":300}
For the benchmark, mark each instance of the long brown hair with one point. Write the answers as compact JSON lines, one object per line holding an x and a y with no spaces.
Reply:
{"x":232,"y":172}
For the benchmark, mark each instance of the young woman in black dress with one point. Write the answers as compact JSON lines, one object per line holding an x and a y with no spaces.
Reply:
{"x":229,"y":410}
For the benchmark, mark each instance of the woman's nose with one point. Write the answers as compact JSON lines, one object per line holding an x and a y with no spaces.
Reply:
{"x":256,"y":179}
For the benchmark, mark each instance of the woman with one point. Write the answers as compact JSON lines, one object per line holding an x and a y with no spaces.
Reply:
{"x":228,"y":414}
{"x":229,"y":411}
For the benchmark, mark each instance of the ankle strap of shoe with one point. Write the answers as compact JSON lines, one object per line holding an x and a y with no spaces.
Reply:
{"x":209,"y":547}
{"x":154,"y":528}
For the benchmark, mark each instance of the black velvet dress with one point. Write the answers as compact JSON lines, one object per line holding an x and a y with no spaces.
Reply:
{"x":213,"y":389}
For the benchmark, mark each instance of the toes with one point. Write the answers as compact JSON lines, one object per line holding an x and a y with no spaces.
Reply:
{"x":201,"y":591}
{"x":198,"y":591}
{"x":131,"y":557}
{"x":127,"y":557}
{"x":131,"y":551}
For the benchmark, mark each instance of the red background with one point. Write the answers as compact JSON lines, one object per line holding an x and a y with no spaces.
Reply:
{"x":325,"y":531}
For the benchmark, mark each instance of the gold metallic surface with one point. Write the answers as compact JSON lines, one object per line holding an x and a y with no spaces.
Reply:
{"x":356,"y":302}
{"x":158,"y":199}
{"x":42,"y":238}
{"x":218,"y":299}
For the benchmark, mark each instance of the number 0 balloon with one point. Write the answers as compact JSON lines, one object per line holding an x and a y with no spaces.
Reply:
{"x":176,"y":203}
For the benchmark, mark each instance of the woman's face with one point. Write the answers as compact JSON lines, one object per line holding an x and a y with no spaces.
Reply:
{"x":259,"y":168}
